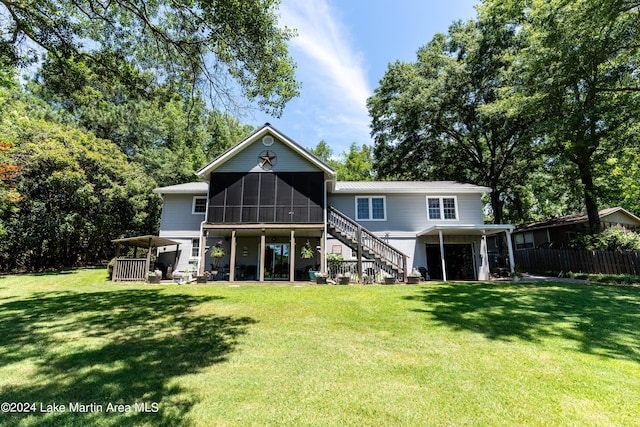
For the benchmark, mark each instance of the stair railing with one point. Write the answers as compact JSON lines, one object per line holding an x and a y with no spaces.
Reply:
{"x":369,"y":242}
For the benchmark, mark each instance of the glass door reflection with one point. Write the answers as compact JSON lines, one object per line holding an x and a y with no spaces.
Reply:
{"x":276,"y":261}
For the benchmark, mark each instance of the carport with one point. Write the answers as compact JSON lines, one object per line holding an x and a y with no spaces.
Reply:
{"x":134,"y":269}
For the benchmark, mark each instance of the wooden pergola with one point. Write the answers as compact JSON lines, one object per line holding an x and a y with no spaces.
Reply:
{"x":137,"y":269}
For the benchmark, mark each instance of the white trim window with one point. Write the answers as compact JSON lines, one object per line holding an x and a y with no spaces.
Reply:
{"x":442,"y":208}
{"x":195,"y":248}
{"x":524,"y":240}
{"x":199,"y":205}
{"x":371,"y":208}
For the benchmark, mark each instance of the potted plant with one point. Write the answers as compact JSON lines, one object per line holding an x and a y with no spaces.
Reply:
{"x":333,"y":263}
{"x":154,"y":276}
{"x":516,"y":276}
{"x":343,"y":279}
{"x":388,"y":278}
{"x":414,"y":277}
{"x":202,"y":279}
{"x":217,"y":252}
{"x":321,"y":279}
{"x":307,"y":251}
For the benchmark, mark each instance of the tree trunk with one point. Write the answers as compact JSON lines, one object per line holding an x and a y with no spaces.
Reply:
{"x":586,"y":176}
{"x":497,"y":206}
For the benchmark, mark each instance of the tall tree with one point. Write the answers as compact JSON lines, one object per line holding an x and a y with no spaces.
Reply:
{"x":579,"y":77}
{"x":8,"y":194}
{"x":78,"y":192}
{"x":211,"y":45}
{"x":354,"y":165}
{"x":322,"y":151}
{"x":171,"y":136}
{"x":357,"y":164}
{"x":445,"y":116}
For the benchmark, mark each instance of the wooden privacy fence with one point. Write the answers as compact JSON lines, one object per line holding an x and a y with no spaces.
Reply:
{"x":578,"y":261}
{"x":130,"y":270}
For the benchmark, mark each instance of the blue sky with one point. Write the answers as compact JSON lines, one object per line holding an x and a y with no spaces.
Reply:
{"x":342,"y":51}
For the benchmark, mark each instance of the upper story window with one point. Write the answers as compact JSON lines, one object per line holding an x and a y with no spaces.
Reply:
{"x":199,"y":205}
{"x":371,"y":208}
{"x":442,"y":208}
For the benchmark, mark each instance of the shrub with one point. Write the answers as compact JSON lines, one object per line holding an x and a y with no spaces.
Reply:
{"x":611,"y":239}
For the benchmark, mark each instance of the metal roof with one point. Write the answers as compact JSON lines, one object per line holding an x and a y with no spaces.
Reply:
{"x":357,"y":187}
{"x":199,"y":187}
{"x":466,"y":229}
{"x":574,"y":219}
{"x":146,"y":241}
{"x":431,"y":187}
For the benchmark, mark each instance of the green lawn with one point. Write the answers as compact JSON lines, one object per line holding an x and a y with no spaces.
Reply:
{"x":547,"y":354}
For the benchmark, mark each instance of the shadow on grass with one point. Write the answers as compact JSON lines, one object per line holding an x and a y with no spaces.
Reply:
{"x":54,"y":273}
{"x":602,"y":320}
{"x":120,"y":347}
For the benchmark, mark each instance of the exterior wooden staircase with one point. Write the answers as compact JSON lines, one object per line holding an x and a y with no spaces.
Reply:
{"x":366,"y":244}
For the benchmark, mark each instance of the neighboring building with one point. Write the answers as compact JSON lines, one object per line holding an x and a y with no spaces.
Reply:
{"x":558,"y":232}
{"x":267,"y":197}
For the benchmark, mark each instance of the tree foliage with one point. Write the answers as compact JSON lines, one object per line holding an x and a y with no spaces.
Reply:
{"x":323,"y":151}
{"x":78,"y":193}
{"x":8,"y":194}
{"x":358,"y":164}
{"x":445,"y":117}
{"x":580,"y":78}
{"x":536,"y":100}
{"x":618,"y":179}
{"x":212,"y":45}
{"x":611,"y":239}
{"x":354,"y":165}
{"x":170,"y":135}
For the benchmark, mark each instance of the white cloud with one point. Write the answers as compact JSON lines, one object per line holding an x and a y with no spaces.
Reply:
{"x":335,"y":87}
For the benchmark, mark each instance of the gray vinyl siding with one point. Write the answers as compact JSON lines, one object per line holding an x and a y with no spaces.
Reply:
{"x":408,"y":212}
{"x":185,"y":262}
{"x":287,"y":159}
{"x":177,"y":219}
{"x":620,"y":218}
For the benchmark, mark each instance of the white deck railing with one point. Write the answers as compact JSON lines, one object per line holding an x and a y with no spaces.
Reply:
{"x":130,"y":270}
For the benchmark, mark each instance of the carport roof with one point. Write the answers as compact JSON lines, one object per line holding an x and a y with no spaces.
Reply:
{"x":462,"y":229}
{"x":146,"y":241}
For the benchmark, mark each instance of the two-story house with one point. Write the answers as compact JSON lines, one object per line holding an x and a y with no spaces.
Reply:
{"x":267,"y":197}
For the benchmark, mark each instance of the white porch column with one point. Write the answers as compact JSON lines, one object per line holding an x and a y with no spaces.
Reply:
{"x":263,"y":245}
{"x":484,"y":257}
{"x":323,"y":256}
{"x":510,"y":249}
{"x":292,"y":257}
{"x":232,"y":258}
{"x":444,"y":265}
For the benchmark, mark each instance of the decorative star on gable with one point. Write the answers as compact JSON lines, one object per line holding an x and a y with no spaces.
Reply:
{"x":268,"y":159}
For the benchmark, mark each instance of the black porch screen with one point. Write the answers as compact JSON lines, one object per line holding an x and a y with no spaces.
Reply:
{"x":295,"y":197}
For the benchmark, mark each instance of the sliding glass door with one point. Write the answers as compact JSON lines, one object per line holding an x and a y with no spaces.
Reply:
{"x":276,"y":261}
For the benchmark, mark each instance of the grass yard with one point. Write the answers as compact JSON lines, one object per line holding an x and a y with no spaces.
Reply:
{"x":472,"y":354}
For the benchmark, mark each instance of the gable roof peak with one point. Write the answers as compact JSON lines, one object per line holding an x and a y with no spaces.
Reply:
{"x":255,"y":136}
